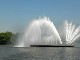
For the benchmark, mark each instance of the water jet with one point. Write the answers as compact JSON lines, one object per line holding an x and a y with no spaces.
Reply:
{"x":43,"y":33}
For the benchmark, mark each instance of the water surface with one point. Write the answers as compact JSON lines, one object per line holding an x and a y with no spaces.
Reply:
{"x":39,"y":53}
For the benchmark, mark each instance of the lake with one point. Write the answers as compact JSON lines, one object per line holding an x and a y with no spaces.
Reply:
{"x":39,"y":53}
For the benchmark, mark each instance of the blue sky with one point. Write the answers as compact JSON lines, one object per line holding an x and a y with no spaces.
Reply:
{"x":16,"y":14}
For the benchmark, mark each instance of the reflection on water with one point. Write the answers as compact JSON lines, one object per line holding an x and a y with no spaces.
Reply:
{"x":39,"y":53}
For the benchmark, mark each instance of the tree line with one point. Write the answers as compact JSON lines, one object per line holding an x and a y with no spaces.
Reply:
{"x":6,"y":38}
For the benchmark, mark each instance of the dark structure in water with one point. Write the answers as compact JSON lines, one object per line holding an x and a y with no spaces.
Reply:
{"x":51,"y":46}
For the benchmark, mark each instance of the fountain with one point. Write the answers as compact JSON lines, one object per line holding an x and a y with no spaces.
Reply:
{"x":71,"y":33}
{"x":42,"y":32}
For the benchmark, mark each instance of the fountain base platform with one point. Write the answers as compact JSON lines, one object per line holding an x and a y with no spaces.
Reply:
{"x":51,"y":46}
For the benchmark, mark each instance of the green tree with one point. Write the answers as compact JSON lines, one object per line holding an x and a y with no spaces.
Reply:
{"x":5,"y":38}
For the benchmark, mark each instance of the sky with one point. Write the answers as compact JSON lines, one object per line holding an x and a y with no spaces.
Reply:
{"x":15,"y":15}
